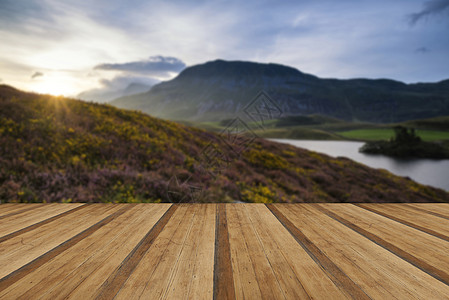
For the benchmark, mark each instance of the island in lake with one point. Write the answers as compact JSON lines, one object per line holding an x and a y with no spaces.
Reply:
{"x":406,"y":144}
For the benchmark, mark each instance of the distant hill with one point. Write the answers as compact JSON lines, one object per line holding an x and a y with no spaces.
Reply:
{"x":107,"y":94}
{"x":56,"y":149}
{"x":220,"y":89}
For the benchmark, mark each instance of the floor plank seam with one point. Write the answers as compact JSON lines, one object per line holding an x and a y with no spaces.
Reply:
{"x":176,"y":264}
{"x":113,"y":284}
{"x":428,"y":211}
{"x":259,"y":239}
{"x":223,"y":274}
{"x":338,"y":277}
{"x":39,"y":261}
{"x":418,"y":263}
{"x":41,"y":223}
{"x":404,"y":222}
{"x":21,"y":211}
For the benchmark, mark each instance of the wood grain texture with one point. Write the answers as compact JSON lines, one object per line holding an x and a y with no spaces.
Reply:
{"x":45,"y":220}
{"x":398,"y":249}
{"x":14,"y":208}
{"x":419,"y":220}
{"x":47,"y":256}
{"x":72,"y":272}
{"x":337,"y":276}
{"x":369,"y":265}
{"x":294,"y":275}
{"x":116,"y":280}
{"x":438,"y":209}
{"x":223,"y":275}
{"x":20,"y":210}
{"x":224,"y":251}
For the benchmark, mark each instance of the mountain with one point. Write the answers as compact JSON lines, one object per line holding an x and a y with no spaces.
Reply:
{"x":109,"y":93}
{"x":56,"y":149}
{"x":220,"y":89}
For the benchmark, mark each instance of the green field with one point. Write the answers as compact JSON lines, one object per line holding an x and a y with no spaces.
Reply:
{"x":317,"y":127}
{"x":385,"y":134}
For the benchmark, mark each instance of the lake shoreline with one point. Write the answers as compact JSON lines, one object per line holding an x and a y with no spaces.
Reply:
{"x":430,"y":172}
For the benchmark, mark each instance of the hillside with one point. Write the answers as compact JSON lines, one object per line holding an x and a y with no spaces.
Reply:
{"x":61,"y":150}
{"x":220,"y":89}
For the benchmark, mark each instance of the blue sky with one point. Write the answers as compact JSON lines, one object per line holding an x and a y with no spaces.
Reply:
{"x":65,"y":47}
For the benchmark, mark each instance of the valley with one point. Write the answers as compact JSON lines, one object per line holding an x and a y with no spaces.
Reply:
{"x":55,"y":149}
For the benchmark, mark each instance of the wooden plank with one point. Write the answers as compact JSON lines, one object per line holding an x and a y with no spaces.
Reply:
{"x":116,"y":280}
{"x":193,"y":275}
{"x":340,"y":279}
{"x":253,"y":276}
{"x":420,"y":249}
{"x":422,"y":221}
{"x":21,"y":250}
{"x":23,"y":271}
{"x":30,"y":217}
{"x":298,"y":276}
{"x":225,"y":251}
{"x":109,"y":245}
{"x":67,"y":209}
{"x":441,"y":209}
{"x":91,"y":283}
{"x":168,"y":271}
{"x":434,"y":209}
{"x":223,"y":274}
{"x":380,"y":273}
{"x":7,"y":208}
{"x":19,"y":209}
{"x":151,"y":276}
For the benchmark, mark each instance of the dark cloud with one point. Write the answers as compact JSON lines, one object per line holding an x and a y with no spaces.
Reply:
{"x":155,"y":66}
{"x":37,"y":74}
{"x":422,"y":50}
{"x":432,"y":7}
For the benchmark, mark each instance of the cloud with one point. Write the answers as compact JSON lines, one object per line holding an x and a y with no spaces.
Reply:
{"x":422,"y":50}
{"x":432,"y":7}
{"x":36,"y":75}
{"x":160,"y":66}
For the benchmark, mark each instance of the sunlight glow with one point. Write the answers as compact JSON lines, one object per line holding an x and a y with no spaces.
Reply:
{"x":57,"y":84}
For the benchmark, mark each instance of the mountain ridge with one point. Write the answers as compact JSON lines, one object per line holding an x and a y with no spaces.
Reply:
{"x":220,"y":89}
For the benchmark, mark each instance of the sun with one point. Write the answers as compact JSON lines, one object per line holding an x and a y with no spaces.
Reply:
{"x":55,"y":85}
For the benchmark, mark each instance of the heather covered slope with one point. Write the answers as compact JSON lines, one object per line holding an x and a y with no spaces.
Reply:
{"x":58,"y":150}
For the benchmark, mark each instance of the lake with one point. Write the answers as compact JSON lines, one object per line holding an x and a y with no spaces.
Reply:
{"x":426,"y":171}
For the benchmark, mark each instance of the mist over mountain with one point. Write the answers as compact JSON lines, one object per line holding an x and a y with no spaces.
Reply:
{"x":109,"y":93}
{"x":220,"y":89}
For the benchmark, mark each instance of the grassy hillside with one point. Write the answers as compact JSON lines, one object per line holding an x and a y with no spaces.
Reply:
{"x":60,"y":150}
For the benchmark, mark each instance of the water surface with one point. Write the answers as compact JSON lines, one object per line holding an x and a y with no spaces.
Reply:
{"x":426,"y":171}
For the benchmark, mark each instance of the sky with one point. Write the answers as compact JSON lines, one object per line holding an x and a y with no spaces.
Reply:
{"x":64,"y":47}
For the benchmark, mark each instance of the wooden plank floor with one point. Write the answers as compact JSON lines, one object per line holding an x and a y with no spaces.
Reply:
{"x":224,"y":251}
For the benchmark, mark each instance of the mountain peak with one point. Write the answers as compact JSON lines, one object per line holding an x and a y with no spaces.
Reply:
{"x":237,"y":69}
{"x":220,"y":89}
